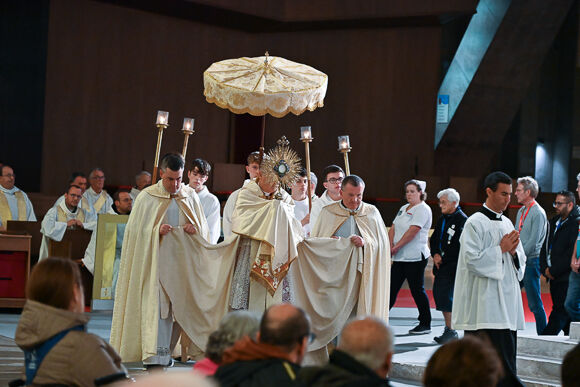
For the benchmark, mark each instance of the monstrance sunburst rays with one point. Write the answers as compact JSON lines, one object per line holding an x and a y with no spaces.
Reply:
{"x":281,"y":164}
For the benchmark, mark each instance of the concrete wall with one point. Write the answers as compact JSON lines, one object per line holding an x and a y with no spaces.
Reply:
{"x":109,"y":69}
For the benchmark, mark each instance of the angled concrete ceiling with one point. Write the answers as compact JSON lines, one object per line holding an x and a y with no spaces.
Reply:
{"x":492,"y":98}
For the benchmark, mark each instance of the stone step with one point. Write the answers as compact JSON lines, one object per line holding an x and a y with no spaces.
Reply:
{"x":531,"y":382}
{"x":538,"y":367}
{"x":406,"y":371}
{"x":551,"y":347}
{"x":537,"y":371}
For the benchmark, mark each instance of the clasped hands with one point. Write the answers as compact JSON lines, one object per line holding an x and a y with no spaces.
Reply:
{"x":166,"y":229}
{"x":509,"y":242}
{"x":74,"y":223}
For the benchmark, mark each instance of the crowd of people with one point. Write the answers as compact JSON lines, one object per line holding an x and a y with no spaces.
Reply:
{"x":285,"y":282}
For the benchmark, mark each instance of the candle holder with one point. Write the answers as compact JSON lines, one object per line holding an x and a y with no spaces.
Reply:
{"x":344,"y":148}
{"x":306,"y":138}
{"x":187,"y":131}
{"x":161,"y":123}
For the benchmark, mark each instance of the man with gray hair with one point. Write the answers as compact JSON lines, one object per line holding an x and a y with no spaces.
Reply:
{"x":531,"y":223}
{"x":445,"y":250}
{"x":142,"y":180}
{"x":98,"y":197}
{"x":363,"y":357}
{"x":313,"y":184}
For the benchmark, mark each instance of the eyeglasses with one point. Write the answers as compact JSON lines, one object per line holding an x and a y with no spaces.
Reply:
{"x":75,"y":196}
{"x":558,"y":204}
{"x":9,"y":175}
{"x":98,"y":177}
{"x":335,"y":181}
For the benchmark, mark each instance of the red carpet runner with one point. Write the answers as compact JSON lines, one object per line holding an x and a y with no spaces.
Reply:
{"x":405,"y":300}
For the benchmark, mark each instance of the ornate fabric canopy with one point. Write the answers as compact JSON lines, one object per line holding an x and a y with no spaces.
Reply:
{"x":264,"y":85}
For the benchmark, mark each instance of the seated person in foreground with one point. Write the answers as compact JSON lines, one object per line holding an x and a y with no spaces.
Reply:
{"x":52,"y":331}
{"x":470,"y":361}
{"x":274,"y":358}
{"x":570,"y":372}
{"x":234,"y":326}
{"x":363,"y":357}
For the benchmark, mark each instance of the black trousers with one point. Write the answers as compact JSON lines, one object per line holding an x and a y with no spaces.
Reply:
{"x":559,"y":319}
{"x":414,"y":273}
{"x":505,"y":343}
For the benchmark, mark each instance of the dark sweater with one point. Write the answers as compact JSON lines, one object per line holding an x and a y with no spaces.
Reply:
{"x":562,"y":243}
{"x":450,"y":245}
{"x":342,"y":370}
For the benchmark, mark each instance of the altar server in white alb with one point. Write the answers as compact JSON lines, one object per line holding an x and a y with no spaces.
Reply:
{"x":14,"y":203}
{"x":333,"y":176}
{"x":68,"y":215}
{"x":301,"y":206}
{"x":487,"y":299}
{"x":252,"y":168}
{"x":198,"y":175}
{"x":97,"y":197}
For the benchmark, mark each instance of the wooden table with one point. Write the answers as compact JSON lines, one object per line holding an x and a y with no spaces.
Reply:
{"x":14,"y":269}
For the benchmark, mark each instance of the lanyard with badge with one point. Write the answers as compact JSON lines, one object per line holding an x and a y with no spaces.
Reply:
{"x":524,"y":216}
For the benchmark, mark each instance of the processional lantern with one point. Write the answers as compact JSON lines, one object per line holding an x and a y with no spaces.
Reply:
{"x":344,"y":148}
{"x":162,"y":123}
{"x":306,"y":138}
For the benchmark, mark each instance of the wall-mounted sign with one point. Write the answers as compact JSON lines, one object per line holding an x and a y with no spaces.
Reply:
{"x":443,"y":109}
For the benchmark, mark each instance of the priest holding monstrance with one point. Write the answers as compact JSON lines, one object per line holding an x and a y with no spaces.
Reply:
{"x":269,"y":233}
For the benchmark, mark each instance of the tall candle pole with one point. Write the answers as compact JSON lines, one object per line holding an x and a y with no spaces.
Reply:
{"x":306,"y":138}
{"x":187,"y":131}
{"x":162,"y":123}
{"x":263,"y":132}
{"x":344,"y":148}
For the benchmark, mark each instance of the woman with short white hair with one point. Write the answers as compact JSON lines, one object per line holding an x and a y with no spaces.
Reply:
{"x":445,"y":252}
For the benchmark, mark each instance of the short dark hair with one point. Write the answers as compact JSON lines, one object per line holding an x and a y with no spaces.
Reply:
{"x":68,"y":187}
{"x":287,"y":333}
{"x":353,"y":180}
{"x":303,"y":172}
{"x":469,"y":361}
{"x":117,"y":195}
{"x":570,"y":198}
{"x":202,"y":166}
{"x":570,"y":370}
{"x":253,"y":158}
{"x":74,"y":175}
{"x":173,"y":161}
{"x":331,"y":169}
{"x":493,"y":179}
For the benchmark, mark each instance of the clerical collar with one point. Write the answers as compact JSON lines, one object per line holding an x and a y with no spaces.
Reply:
{"x":491,"y":214}
{"x":267,"y":196}
{"x":352,"y":212}
{"x":172,"y":195}
{"x":93,"y":192}
{"x":9,"y":191}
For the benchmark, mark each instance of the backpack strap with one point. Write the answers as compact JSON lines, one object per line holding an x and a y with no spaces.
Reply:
{"x":33,"y":358}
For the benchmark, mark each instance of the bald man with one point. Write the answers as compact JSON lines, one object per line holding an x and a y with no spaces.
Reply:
{"x":274,"y":358}
{"x":363,"y":357}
